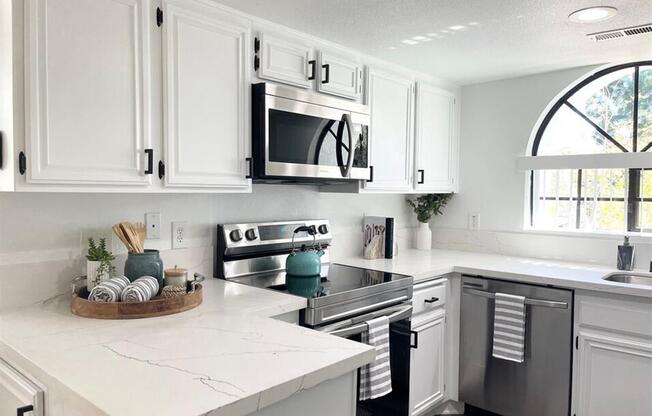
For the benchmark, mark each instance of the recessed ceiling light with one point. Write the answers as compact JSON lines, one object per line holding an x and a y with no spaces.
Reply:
{"x":593,"y":14}
{"x":457,"y":27}
{"x":474,"y":24}
{"x":410,"y":42}
{"x":419,"y":37}
{"x":444,"y":31}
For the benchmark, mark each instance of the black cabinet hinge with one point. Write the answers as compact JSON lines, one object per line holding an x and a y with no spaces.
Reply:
{"x":256,"y":45}
{"x":22,"y":163}
{"x":159,"y":17}
{"x":161,"y":169}
{"x":256,"y":63}
{"x":577,"y":343}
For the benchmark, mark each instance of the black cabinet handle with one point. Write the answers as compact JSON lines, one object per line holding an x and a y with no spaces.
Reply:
{"x":327,"y":76}
{"x":159,"y":17}
{"x":22,"y":163}
{"x":1,"y":147}
{"x":250,"y":175}
{"x":371,"y":177}
{"x":150,"y":161}
{"x":416,"y":339}
{"x":22,"y":410}
{"x":421,"y":173}
{"x":313,"y":69}
{"x":432,"y":300}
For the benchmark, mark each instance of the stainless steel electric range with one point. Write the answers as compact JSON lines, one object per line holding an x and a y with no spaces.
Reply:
{"x":339,"y":301}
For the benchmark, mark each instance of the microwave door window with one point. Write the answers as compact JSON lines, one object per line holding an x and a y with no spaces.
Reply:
{"x":302,"y":139}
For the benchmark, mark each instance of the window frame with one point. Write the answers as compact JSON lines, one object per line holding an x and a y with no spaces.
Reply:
{"x":633,"y":175}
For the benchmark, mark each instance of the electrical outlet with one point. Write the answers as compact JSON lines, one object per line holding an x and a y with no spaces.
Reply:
{"x":153,"y":223}
{"x":179,"y":238}
{"x":474,"y":221}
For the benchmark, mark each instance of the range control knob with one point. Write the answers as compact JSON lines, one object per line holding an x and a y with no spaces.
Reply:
{"x":235,"y":235}
{"x":323,"y":229}
{"x":250,"y":234}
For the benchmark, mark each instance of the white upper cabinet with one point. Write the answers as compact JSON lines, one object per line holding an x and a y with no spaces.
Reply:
{"x":436,"y":146}
{"x":283,"y":60}
{"x":86,"y":92}
{"x":390,"y":99}
{"x":339,"y":76}
{"x":206,"y":97}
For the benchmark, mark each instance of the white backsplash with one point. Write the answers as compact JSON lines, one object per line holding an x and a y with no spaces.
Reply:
{"x":43,"y":236}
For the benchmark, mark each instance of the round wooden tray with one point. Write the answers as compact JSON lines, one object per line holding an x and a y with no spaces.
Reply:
{"x":81,"y":306}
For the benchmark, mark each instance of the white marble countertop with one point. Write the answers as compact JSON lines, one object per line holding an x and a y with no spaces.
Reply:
{"x":426,"y":264}
{"x":226,"y":357}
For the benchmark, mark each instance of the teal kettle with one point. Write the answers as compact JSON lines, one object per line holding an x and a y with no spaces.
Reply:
{"x":304,"y":262}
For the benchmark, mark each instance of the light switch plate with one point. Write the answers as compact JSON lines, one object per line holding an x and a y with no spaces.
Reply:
{"x":474,"y":221}
{"x":179,"y":237}
{"x":153,"y":223}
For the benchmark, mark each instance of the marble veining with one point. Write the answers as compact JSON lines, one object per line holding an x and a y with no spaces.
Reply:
{"x":228,"y":355}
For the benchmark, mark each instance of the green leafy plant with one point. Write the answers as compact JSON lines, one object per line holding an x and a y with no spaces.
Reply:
{"x":98,"y":252}
{"x":425,"y":206}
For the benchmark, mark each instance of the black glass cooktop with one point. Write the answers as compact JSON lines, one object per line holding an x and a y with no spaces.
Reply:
{"x":334,"y":279}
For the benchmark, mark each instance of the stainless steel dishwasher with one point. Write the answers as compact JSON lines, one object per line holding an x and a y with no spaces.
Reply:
{"x":541,"y":384}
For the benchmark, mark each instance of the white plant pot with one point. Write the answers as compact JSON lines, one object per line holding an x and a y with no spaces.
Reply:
{"x":424,"y":237}
{"x":93,"y":278}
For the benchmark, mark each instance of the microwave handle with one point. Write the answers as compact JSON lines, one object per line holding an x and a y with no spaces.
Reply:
{"x":346,"y":170}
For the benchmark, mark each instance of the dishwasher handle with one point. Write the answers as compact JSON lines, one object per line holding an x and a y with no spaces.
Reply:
{"x":528,"y":301}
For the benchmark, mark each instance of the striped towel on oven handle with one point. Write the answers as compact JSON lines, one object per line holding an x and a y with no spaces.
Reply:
{"x":376,"y":377}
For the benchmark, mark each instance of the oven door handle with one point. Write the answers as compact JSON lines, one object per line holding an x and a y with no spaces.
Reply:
{"x":358,"y":327}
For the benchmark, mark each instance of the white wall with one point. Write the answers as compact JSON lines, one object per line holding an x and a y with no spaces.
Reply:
{"x":496,"y":121}
{"x":43,"y":235}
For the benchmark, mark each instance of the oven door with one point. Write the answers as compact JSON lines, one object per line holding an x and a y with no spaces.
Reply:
{"x":313,"y":141}
{"x":395,"y":403}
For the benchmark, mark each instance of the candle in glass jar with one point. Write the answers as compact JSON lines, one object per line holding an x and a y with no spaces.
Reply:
{"x":176,"y":277}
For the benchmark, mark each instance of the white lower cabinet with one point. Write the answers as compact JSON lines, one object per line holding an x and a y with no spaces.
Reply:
{"x":613,"y":362}
{"x":206,"y":126}
{"x":19,"y":395}
{"x":427,"y":363}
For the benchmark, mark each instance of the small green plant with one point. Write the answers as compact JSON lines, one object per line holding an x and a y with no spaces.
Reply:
{"x":98,"y":252}
{"x":425,"y":206}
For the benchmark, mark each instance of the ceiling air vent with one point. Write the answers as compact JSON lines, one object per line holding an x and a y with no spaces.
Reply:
{"x":621,"y":33}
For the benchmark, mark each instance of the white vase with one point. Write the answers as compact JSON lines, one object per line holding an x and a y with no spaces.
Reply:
{"x":93,"y":278}
{"x":424,"y":237}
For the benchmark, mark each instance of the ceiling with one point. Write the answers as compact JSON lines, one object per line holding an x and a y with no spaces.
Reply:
{"x":499,"y":38}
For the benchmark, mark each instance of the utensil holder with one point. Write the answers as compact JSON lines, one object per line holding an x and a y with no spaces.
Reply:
{"x":148,"y":263}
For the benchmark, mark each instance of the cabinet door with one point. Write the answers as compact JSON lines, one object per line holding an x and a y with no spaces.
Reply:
{"x":16,"y":391}
{"x":286,"y":61}
{"x":436,"y":144}
{"x":206,"y":97}
{"x":614,"y":375}
{"x":427,"y":364}
{"x":390,"y":145}
{"x":86,"y":91}
{"x":339,"y":76}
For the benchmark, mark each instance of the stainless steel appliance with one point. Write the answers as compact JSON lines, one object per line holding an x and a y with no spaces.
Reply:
{"x":339,"y":301}
{"x":300,"y":136}
{"x":539,"y":386}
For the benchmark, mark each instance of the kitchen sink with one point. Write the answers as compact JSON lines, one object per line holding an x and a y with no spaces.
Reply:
{"x":631,"y":278}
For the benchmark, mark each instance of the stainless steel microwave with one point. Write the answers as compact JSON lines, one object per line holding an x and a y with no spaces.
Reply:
{"x":300,"y":136}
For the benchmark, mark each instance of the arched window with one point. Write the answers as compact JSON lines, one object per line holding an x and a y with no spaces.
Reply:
{"x":590,"y":155}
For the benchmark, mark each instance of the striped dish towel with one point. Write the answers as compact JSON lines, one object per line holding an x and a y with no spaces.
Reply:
{"x":509,"y":327}
{"x":109,"y":290}
{"x":376,"y":377}
{"x":140,"y":290}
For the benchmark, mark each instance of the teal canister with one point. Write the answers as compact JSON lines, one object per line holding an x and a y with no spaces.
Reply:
{"x":148,"y":263}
